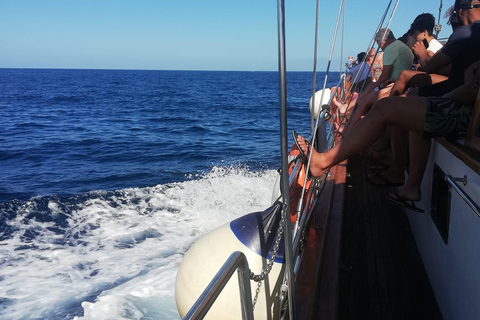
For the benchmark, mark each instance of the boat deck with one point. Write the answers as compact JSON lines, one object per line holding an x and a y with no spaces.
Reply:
{"x":362,"y":255}
{"x":387,"y":279}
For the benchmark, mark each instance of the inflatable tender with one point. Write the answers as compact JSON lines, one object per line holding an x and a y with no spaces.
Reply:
{"x":253,"y":234}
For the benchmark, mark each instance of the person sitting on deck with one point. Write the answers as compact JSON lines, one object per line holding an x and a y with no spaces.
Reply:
{"x":461,"y":50}
{"x":421,"y":31}
{"x":396,"y":58}
{"x":434,"y":116}
{"x":360,"y":74}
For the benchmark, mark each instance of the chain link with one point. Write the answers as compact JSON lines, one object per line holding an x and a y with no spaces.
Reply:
{"x":260,"y":277}
{"x":264,"y":273}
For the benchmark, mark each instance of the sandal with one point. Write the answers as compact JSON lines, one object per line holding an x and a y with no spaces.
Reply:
{"x":404,"y":202}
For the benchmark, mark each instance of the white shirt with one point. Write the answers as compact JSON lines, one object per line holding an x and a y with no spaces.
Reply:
{"x":434,"y":45}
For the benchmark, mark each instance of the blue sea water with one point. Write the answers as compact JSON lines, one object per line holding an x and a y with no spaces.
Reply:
{"x":108,"y":176}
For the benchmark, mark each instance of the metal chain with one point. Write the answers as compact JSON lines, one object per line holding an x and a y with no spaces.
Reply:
{"x":257,"y":293}
{"x":260,"y":277}
{"x":264,"y":273}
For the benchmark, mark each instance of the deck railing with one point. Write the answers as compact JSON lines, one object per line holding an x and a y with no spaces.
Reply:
{"x":470,"y":202}
{"x":237,"y":260}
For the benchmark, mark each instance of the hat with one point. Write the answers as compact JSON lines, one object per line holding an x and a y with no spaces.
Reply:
{"x":466,"y":4}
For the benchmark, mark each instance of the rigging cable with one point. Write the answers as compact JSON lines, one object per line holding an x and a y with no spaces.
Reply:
{"x":315,"y":46}
{"x":343,"y":36}
{"x":438,"y":27}
{"x":378,"y":47}
{"x":324,"y":111}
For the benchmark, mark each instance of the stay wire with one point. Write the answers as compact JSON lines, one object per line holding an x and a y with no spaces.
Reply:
{"x":378,"y":47}
{"x":315,"y":47}
{"x":323,"y":113}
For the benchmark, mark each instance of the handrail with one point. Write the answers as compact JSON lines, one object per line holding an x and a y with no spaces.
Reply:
{"x":237,"y":260}
{"x":462,"y":194}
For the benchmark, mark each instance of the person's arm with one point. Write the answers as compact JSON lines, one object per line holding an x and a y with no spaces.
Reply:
{"x":434,"y":63}
{"x":467,"y":93}
{"x":386,"y":74}
{"x":471,"y":79}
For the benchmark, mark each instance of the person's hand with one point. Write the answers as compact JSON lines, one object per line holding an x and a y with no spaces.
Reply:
{"x":351,"y":58}
{"x":419,"y":49}
{"x":472,"y":74}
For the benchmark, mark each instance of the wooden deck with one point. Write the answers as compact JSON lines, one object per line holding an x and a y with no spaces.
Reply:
{"x":387,"y":279}
{"x":361,"y":259}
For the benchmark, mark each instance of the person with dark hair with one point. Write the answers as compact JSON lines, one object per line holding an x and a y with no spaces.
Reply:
{"x":396,"y":57}
{"x":360,"y":73}
{"x":421,"y":30}
{"x":461,"y":51}
{"x":451,"y":15}
{"x":433,"y":117}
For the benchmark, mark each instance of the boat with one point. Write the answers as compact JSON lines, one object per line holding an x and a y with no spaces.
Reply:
{"x":350,"y":253}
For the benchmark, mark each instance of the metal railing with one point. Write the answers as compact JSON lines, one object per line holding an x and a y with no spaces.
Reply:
{"x":237,"y":260}
{"x":470,"y":202}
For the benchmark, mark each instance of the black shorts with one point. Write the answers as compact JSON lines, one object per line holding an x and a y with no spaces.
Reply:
{"x":446,"y":118}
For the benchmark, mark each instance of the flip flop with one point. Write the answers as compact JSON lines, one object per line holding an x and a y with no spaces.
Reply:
{"x":378,"y":180}
{"x":404,"y":202}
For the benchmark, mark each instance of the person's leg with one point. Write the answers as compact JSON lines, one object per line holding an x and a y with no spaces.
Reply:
{"x":401,"y":82}
{"x":396,"y":164}
{"x":419,"y":153}
{"x":364,"y":103}
{"x":406,"y":113}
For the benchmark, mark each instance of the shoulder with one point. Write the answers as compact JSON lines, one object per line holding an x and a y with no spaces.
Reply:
{"x":464,"y":32}
{"x":462,"y":38}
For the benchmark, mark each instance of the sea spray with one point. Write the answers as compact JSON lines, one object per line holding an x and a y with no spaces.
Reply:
{"x":113,"y":255}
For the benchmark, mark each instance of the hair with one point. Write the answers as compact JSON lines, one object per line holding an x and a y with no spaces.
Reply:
{"x":424,"y":21}
{"x":385,"y":34}
{"x":361,"y":56}
{"x":451,"y":15}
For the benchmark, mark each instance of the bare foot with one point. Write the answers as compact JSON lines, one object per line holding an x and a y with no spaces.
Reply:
{"x":408,"y":192}
{"x":342,"y":107}
{"x":315,"y":169}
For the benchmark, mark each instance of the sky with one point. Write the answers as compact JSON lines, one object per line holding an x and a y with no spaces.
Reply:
{"x":191,"y":34}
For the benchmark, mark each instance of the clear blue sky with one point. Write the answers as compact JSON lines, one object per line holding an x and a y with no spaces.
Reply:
{"x":187,"y":34}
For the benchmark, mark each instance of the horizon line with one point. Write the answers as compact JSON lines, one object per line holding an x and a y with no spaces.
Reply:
{"x":132,"y":69}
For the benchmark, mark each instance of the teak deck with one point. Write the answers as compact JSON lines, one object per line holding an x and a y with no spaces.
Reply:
{"x":364,"y":255}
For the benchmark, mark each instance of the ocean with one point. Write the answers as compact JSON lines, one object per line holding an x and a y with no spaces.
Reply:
{"x":109,"y":176}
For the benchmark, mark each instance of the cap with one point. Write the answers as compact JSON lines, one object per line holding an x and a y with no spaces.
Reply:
{"x":467,"y":4}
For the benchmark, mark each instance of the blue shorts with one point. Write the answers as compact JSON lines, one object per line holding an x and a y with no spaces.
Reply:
{"x":446,"y":118}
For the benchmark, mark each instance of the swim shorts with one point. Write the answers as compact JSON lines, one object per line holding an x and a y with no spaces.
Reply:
{"x":446,"y":118}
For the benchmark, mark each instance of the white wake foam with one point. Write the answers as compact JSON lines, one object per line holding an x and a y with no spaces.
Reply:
{"x":122,"y":248}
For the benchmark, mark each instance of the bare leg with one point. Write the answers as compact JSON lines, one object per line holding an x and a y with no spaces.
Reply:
{"x":406,"y":113}
{"x":419,"y":153}
{"x":396,"y":169}
{"x":364,"y":103}
{"x":410,"y":78}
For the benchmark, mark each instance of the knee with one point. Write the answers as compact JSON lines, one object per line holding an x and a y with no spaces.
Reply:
{"x":404,"y":76}
{"x":382,"y":109}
